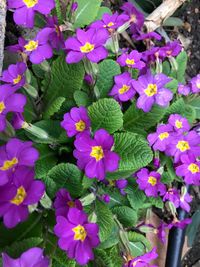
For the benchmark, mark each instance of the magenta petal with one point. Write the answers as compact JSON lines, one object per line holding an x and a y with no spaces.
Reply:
{"x":33,"y":256}
{"x":104,"y":139}
{"x":34,"y":193}
{"x":111,"y":161}
{"x":9,"y":262}
{"x":74,"y":57}
{"x":28,"y":156}
{"x":97,"y":54}
{"x":15,"y":102}
{"x":24,"y":16}
{"x":73,"y":44}
{"x":84,"y":253}
{"x":76,"y":216}
{"x":15,"y":215}
{"x":2,"y":123}
{"x":45,"y":7}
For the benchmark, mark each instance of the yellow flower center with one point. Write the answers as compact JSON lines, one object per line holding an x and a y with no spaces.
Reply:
{"x":194,"y":168}
{"x":2,"y":106}
{"x":151,"y":90}
{"x":71,"y":204}
{"x":198,"y":85}
{"x":87,"y":48}
{"x":163,"y":136}
{"x":30,"y":3}
{"x":130,"y":61}
{"x":80,"y":126}
{"x":20,"y":196}
{"x":31,"y":46}
{"x":80,"y":233}
{"x":9,"y":164}
{"x":178,"y":124}
{"x":152,"y":180}
{"x":17,"y":80}
{"x":110,"y":24}
{"x":183,"y":146}
{"x":97,"y":153}
{"x":124,"y":89}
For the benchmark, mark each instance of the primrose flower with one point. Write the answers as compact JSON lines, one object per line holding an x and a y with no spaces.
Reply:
{"x":161,"y":138}
{"x":184,"y":200}
{"x":14,"y":154}
{"x":39,"y":49}
{"x":76,"y":122}
{"x":15,"y":75}
{"x":17,"y":195}
{"x":17,"y":48}
{"x":77,"y":236}
{"x":25,"y":10}
{"x":138,"y":35}
{"x":184,"y":145}
{"x":9,"y":102}
{"x":171,"y":49}
{"x":150,"y":182}
{"x":189,"y":169}
{"x":195,"y":84}
{"x":95,"y":155}
{"x":183,"y":89}
{"x":123,"y":89}
{"x":87,"y":44}
{"x":179,"y":123}
{"x":144,"y":260}
{"x":151,"y":90}
{"x":64,"y":202}
{"x":131,"y":60}
{"x":173,"y":196}
{"x":161,"y":232}
{"x":110,"y":21}
{"x":33,"y":257}
{"x":121,"y":184}
{"x":180,"y":224}
{"x":18,"y":121}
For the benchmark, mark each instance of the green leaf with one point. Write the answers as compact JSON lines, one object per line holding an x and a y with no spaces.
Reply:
{"x":136,"y":197}
{"x":181,"y":60}
{"x":102,"y":10}
{"x":102,"y":259}
{"x":86,"y":12}
{"x":55,"y":107}
{"x":65,"y":175}
{"x":127,"y":216}
{"x":133,"y":150}
{"x":112,"y":240}
{"x":136,"y":237}
{"x":194,"y":101}
{"x":81,"y":98}
{"x":157,"y":202}
{"x":135,"y":118}
{"x":104,"y":220}
{"x":65,"y":79}
{"x":137,"y":248}
{"x":87,"y":182}
{"x":106,"y":114}
{"x":166,"y":68}
{"x":177,"y":107}
{"x":105,"y":78}
{"x":173,"y":85}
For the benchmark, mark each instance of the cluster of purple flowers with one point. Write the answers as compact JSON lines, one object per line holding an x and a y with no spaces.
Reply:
{"x":193,"y":87}
{"x":77,"y":236}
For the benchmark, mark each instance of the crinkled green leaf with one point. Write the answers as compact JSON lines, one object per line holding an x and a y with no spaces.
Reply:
{"x":81,"y":98}
{"x":55,"y":107}
{"x":194,"y":101}
{"x":181,"y":60}
{"x":127,"y":216}
{"x":136,"y":237}
{"x":102,"y":10}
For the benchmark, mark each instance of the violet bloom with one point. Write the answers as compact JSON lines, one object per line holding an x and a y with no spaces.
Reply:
{"x":14,"y":154}
{"x":195,"y":84}
{"x":25,"y":10}
{"x":77,"y":236}
{"x":152,"y":55}
{"x":151,"y":90}
{"x":95,"y":155}
{"x":189,"y":169}
{"x":150,"y":182}
{"x":39,"y":49}
{"x":18,"y":121}
{"x":161,"y":232}
{"x":18,"y":48}
{"x":180,"y":224}
{"x":74,"y":6}
{"x":173,"y":196}
{"x":132,"y":60}
{"x":15,"y":75}
{"x":64,"y":202}
{"x":76,"y":121}
{"x":161,"y":138}
{"x":146,"y":36}
{"x":9,"y":102}
{"x":144,"y":260}
{"x":183,"y":89}
{"x":105,"y":198}
{"x":33,"y":257}
{"x":121,"y":185}
{"x":156,"y":163}
{"x":171,"y":49}
{"x":184,"y":200}
{"x":184,"y":145}
{"x":110,"y":21}
{"x":87,"y":44}
{"x":17,"y":195}
{"x":179,"y":123}
{"x":123,"y":89}
{"x":89,"y":79}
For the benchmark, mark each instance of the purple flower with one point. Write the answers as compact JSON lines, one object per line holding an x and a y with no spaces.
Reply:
{"x":77,"y":236}
{"x":184,"y":200}
{"x":121,"y":184}
{"x":89,"y":79}
{"x":74,"y":6}
{"x":179,"y":123}
{"x":25,"y":10}
{"x":76,"y":122}
{"x":161,"y":232}
{"x":15,"y":75}
{"x":87,"y":44}
{"x":144,"y":260}
{"x":183,"y":89}
{"x":123,"y":89}
{"x":39,"y":49}
{"x":105,"y":198}
{"x":31,"y":258}
{"x":173,"y":196}
{"x":144,"y":36}
{"x":110,"y":21}
{"x":151,"y":90}
{"x":189,"y":169}
{"x":64,"y":202}
{"x":14,"y":154}
{"x":150,"y":183}
{"x":18,"y":48}
{"x":131,"y":60}
{"x":184,"y":145}
{"x":195,"y":84}
{"x":156,"y":163}
{"x":17,"y":195}
{"x":95,"y":155}
{"x":171,"y":49}
{"x":18,"y":121}
{"x":161,"y":138}
{"x":180,"y":224}
{"x":9,"y":102}
{"x":152,"y":55}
